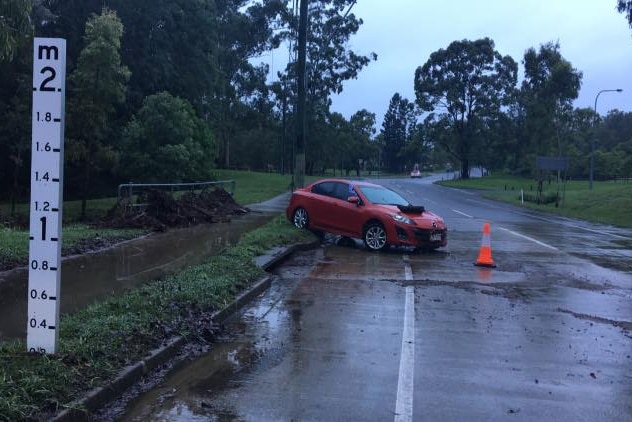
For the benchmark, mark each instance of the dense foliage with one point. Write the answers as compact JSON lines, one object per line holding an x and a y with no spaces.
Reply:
{"x":166,"y":141}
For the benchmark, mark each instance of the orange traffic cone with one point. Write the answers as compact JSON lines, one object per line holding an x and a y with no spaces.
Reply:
{"x":485,"y":254}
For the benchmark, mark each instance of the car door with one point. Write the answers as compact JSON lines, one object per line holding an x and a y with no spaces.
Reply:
{"x":321,"y":206}
{"x":345,"y":216}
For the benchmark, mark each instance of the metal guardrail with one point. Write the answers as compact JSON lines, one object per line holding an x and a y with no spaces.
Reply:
{"x":126,"y":190}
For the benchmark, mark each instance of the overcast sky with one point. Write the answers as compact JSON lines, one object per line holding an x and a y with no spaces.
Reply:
{"x":593,"y":36}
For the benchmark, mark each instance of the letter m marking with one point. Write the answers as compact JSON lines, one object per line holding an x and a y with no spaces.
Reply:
{"x":48,"y":49}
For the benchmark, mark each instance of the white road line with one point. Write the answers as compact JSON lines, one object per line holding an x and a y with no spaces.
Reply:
{"x":462,"y":213}
{"x":404,"y":403}
{"x":530,"y":238}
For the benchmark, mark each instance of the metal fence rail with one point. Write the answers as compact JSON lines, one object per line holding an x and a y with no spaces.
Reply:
{"x":128,"y":190}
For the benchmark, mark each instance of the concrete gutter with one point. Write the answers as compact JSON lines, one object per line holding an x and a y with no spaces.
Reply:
{"x":81,"y":409}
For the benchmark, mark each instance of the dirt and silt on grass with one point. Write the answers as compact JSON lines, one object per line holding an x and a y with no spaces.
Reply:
{"x":158,"y":210}
{"x":155,"y":210}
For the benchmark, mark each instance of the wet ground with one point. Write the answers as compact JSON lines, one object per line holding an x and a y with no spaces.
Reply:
{"x":345,"y":334}
{"x":94,"y":276}
{"x":325,"y":343}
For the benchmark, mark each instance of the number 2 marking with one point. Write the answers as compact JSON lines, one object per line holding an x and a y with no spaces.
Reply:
{"x":43,"y":86}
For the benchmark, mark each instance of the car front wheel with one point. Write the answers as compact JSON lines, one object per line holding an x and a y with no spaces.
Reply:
{"x":375,"y":237}
{"x":301,"y":218}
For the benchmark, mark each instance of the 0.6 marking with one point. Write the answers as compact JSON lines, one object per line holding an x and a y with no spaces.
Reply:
{"x":34,"y":294}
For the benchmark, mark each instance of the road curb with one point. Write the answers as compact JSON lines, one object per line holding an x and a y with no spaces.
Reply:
{"x":95,"y":399}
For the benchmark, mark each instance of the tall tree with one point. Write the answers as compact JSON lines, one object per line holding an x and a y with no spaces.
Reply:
{"x":550,"y":85}
{"x":466,"y":84}
{"x":15,"y":24}
{"x":97,"y":85}
{"x":330,"y":62}
{"x":245,"y":31}
{"x":396,"y":129}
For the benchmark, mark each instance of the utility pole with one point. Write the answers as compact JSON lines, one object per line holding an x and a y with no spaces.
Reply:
{"x":299,"y":158}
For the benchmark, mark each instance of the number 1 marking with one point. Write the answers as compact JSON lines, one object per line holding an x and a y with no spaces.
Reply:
{"x":43,"y":220}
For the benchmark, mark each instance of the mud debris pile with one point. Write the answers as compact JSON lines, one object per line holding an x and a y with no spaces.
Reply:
{"x":159,"y":210}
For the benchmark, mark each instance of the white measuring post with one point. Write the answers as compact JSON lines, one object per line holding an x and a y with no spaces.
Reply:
{"x":47,"y":166}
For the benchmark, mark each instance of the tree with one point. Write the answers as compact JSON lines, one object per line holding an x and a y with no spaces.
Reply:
{"x":330,"y":62}
{"x":96,"y":85}
{"x":467,"y":84}
{"x":244,"y":33}
{"x":15,"y":24}
{"x":418,"y":148}
{"x":548,"y":89}
{"x":168,"y":45}
{"x":167,"y":142}
{"x":362,"y":126}
{"x":15,"y":130}
{"x":625,"y":6}
{"x":350,"y":141}
{"x":396,"y":127}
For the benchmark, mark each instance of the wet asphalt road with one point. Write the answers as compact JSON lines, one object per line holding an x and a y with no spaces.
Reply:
{"x":345,"y":334}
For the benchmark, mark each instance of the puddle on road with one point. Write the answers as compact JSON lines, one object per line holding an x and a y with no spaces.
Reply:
{"x":260,"y":335}
{"x":618,"y":259}
{"x":92,"y":277}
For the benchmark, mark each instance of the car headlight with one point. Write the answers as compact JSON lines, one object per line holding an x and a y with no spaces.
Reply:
{"x":402,"y":219}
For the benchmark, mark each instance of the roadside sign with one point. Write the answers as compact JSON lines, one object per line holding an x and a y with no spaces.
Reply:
{"x":47,"y":153}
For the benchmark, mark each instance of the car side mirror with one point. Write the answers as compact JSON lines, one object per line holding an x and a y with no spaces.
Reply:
{"x":354,"y":200}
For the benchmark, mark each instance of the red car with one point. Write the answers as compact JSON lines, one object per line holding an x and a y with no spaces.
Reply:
{"x":367,"y":211}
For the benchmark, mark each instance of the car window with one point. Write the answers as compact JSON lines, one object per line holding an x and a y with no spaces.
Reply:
{"x":383,"y":196}
{"x":342,"y":191}
{"x":324,"y":188}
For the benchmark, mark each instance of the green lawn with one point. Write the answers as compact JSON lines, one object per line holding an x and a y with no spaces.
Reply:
{"x":609,"y":202}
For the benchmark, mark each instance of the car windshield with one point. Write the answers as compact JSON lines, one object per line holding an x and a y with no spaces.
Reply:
{"x":382,"y":196}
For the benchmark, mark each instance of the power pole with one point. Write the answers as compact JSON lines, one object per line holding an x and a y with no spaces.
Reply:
{"x":299,"y":158}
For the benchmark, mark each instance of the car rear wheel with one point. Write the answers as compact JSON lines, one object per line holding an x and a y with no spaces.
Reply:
{"x":301,"y":218}
{"x":375,"y":237}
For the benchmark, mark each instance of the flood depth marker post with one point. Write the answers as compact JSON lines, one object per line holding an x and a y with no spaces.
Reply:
{"x":47,"y":166}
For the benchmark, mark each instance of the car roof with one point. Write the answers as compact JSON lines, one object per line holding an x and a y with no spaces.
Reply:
{"x":352,"y":182}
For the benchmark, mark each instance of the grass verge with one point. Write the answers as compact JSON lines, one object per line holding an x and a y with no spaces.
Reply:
{"x":97,"y":342}
{"x":609,"y":202}
{"x":76,"y":238}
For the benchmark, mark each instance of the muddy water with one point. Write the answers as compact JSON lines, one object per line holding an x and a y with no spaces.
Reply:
{"x":92,"y":277}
